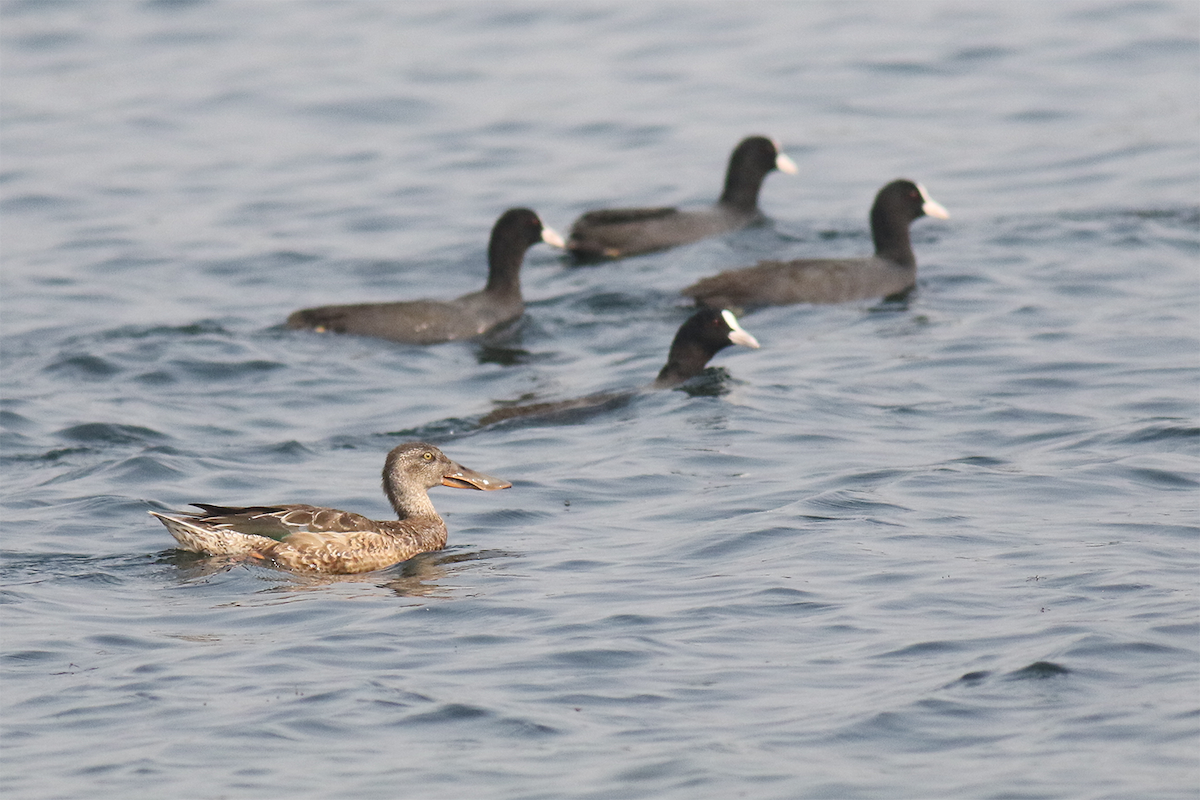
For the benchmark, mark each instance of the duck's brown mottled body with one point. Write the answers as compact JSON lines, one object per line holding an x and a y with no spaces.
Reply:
{"x":309,"y":538}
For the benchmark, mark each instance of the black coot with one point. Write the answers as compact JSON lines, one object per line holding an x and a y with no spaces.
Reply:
{"x":891,"y":271}
{"x":706,"y":333}
{"x":434,"y":321}
{"x":619,"y":232}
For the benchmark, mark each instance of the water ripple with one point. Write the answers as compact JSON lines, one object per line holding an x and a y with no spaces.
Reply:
{"x":102,"y":433}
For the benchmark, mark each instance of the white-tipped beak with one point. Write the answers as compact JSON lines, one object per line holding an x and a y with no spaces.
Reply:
{"x":785,"y":164}
{"x":551,"y":237}
{"x":930,"y":206}
{"x":738,"y":334}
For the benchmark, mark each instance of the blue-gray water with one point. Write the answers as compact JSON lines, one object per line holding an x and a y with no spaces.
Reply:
{"x":944,"y":549}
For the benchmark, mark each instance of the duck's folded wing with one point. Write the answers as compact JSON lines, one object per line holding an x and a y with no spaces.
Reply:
{"x":279,"y":522}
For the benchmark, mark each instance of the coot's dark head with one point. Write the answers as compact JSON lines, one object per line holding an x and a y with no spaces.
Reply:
{"x":706,"y":333}
{"x":752,"y":160}
{"x":906,"y":200}
{"x":896,"y":206}
{"x":514,"y":233}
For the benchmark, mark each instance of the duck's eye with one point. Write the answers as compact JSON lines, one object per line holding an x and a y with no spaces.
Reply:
{"x":428,"y":456}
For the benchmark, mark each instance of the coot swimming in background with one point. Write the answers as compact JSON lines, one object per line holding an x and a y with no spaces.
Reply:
{"x":891,"y":271}
{"x":619,"y":232}
{"x":324,"y":540}
{"x":702,"y":336}
{"x":434,"y":321}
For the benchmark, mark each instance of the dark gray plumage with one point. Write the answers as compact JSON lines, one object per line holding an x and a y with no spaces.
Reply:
{"x":619,"y":232}
{"x":892,"y":270}
{"x":434,"y":321}
{"x":704,"y":334}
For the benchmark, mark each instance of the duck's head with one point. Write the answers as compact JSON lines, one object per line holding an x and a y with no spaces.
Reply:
{"x":421,"y":464}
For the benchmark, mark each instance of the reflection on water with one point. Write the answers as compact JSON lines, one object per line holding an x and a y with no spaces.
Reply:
{"x":503,"y":356}
{"x":416,"y":577}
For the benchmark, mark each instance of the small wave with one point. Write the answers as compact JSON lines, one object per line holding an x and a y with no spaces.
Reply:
{"x":226,"y":370}
{"x":111,"y":433}
{"x":1039,"y":670}
{"x":382,"y":110}
{"x":84,"y":366}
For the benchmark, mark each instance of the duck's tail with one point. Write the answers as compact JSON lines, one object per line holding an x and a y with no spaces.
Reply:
{"x":197,"y":537}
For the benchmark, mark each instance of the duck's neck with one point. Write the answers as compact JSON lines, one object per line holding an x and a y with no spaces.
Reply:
{"x":412,"y":503}
{"x":889,"y":229}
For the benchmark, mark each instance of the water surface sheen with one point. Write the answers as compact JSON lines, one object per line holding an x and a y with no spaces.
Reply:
{"x":937,"y":548}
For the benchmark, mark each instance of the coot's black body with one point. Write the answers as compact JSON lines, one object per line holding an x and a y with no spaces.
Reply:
{"x":619,"y":232}
{"x":434,"y":321}
{"x":891,"y":271}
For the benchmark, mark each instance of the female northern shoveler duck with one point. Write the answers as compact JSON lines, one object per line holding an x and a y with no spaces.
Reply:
{"x":620,"y":232}
{"x":324,"y":540}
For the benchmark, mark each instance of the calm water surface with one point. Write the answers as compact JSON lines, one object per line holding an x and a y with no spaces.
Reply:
{"x":940,"y":548}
